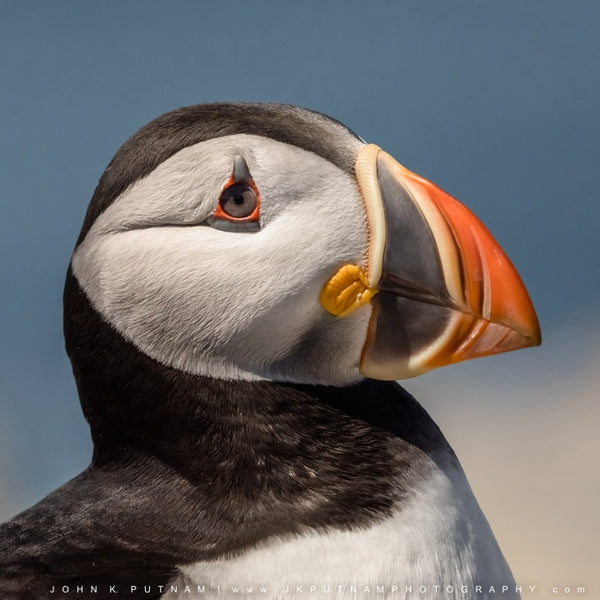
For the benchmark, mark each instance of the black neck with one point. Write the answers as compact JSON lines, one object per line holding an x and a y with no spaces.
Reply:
{"x":189,"y":468}
{"x":130,"y":399}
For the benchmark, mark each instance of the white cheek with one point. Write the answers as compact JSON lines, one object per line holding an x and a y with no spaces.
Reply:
{"x":193,"y":309}
{"x":234,"y":305}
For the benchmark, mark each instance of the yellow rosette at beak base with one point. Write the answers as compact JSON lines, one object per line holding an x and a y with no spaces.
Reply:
{"x":346,"y":291}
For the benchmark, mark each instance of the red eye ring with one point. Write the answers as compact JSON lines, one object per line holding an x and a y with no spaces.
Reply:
{"x":239,"y":202}
{"x":238,"y":209}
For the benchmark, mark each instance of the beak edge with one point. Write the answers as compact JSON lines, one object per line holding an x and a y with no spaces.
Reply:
{"x":491,"y":309}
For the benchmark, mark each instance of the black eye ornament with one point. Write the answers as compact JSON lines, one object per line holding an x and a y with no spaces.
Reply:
{"x":238,"y":208}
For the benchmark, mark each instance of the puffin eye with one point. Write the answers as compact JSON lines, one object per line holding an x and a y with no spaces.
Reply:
{"x":238,"y":208}
{"x":239,"y":200}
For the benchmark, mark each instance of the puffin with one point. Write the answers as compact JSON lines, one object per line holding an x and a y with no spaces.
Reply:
{"x":249,"y":283}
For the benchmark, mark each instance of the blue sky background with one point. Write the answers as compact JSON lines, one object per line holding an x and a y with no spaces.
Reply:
{"x":497,"y":102}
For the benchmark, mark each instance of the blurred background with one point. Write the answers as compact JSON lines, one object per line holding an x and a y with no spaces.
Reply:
{"x":498,"y":103}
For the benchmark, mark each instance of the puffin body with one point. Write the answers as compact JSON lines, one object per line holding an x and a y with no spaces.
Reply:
{"x":248,"y":282}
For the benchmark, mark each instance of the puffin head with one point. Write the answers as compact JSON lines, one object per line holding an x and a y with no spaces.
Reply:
{"x":262,"y":241}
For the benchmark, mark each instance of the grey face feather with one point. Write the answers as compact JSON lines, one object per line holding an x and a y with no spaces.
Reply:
{"x":168,"y":134}
{"x":230,"y":304}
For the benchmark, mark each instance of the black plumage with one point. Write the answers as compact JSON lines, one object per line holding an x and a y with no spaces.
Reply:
{"x":189,"y":468}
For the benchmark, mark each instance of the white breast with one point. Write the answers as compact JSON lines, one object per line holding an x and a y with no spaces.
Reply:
{"x":439,"y":538}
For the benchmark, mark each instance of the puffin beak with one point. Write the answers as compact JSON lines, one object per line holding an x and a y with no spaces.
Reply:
{"x":441,"y":288}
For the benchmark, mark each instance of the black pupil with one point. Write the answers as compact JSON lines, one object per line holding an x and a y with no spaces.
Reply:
{"x":238,"y":200}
